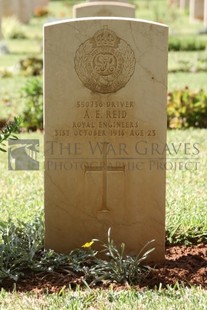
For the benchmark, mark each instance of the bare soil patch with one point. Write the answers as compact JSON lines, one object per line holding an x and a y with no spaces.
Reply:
{"x":183,"y":264}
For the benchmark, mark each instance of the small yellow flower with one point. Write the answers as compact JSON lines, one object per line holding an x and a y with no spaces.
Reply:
{"x":88,"y":244}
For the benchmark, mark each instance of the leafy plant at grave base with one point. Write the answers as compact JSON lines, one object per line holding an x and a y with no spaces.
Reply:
{"x":18,"y":247}
{"x":119,"y":267}
{"x":13,"y":29}
{"x":31,"y":66}
{"x":176,"y":43}
{"x":21,"y":250}
{"x":187,"y":109}
{"x":32,"y":94}
{"x":8,"y":131}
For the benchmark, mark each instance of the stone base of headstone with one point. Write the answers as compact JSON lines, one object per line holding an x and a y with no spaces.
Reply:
{"x":196,"y":10}
{"x":104,"y":8}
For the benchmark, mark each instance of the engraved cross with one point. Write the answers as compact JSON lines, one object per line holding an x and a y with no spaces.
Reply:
{"x":105,"y":168}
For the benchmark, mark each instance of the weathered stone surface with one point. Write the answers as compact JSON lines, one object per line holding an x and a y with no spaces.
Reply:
{"x":105,"y":90}
{"x":104,"y":8}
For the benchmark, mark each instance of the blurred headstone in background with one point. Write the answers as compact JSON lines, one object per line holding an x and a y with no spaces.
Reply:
{"x":39,"y":3}
{"x":205,"y":14}
{"x":196,"y":10}
{"x":174,"y":2}
{"x":184,"y":4}
{"x":1,"y":36}
{"x":10,"y":8}
{"x":104,"y":8}
{"x":24,"y":11}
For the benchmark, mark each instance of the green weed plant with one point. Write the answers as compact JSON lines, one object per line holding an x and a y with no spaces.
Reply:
{"x":21,"y":250}
{"x":32,"y":95}
{"x":9,"y":131}
{"x":186,"y":109}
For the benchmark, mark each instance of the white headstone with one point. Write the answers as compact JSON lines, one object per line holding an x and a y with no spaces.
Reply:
{"x":196,"y":9}
{"x":104,"y":8}
{"x":105,"y":87}
{"x":40,"y":3}
{"x":174,"y":2}
{"x":25,"y":11}
{"x":184,"y":4}
{"x":10,"y":8}
{"x":205,"y":13}
{"x":1,"y":35}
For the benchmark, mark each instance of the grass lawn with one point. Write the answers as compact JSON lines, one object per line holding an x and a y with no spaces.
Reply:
{"x":173,"y":299}
{"x":22,"y":193}
{"x":194,"y":81}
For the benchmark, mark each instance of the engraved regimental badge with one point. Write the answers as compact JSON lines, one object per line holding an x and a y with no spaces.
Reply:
{"x":104,"y":63}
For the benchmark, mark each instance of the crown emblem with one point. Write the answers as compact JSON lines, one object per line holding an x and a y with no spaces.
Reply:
{"x":105,"y":37}
{"x":104,"y":63}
